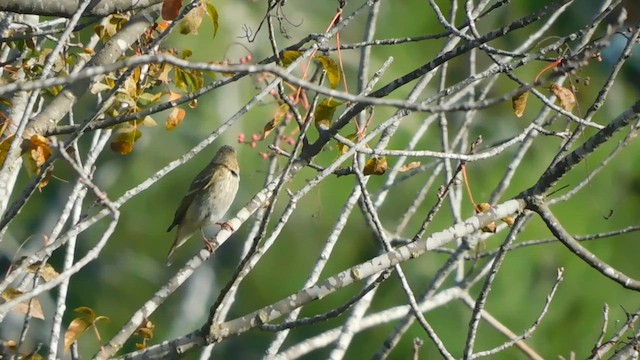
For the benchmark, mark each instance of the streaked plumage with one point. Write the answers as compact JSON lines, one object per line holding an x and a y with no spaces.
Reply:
{"x":210,"y":195}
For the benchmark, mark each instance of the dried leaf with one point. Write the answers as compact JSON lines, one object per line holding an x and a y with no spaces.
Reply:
{"x":276,"y":120}
{"x":35,"y":310}
{"x":519,"y":103}
{"x":171,"y":9}
{"x":47,"y":273}
{"x":124,"y":140}
{"x":375,"y":166}
{"x":175,"y":118}
{"x":324,"y":113}
{"x":409,"y":166}
{"x":332,"y":69}
{"x":77,"y":326}
{"x":565,"y":96}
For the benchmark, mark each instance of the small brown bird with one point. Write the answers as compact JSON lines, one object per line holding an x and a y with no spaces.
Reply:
{"x":210,"y":196}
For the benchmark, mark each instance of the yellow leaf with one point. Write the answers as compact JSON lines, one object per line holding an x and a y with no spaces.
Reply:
{"x":191,"y":22}
{"x":37,"y":153}
{"x":409,"y":166}
{"x":77,"y":326}
{"x":276,"y":120}
{"x":47,"y":273}
{"x":34,"y":310}
{"x":124,"y":140}
{"x":342,"y":148}
{"x":332,"y":69}
{"x":289,"y":56}
{"x":4,"y":148}
{"x":175,"y":118}
{"x":566,"y":98}
{"x":324,"y":113}
{"x":519,"y":103}
{"x":484,"y":207}
{"x":375,"y":166}
{"x":213,"y":15}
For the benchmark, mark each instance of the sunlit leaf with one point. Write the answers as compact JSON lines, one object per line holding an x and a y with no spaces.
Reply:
{"x":375,"y":166}
{"x":276,"y":120}
{"x":565,"y":96}
{"x":76,"y":328}
{"x":38,"y":151}
{"x":519,"y":103}
{"x":323,"y":115}
{"x":175,"y":118}
{"x":332,"y":69}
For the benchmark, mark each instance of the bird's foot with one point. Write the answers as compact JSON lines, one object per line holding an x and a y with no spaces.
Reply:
{"x":225,"y":225}
{"x":210,"y":245}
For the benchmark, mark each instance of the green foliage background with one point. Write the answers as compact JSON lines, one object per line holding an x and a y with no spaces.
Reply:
{"x":132,"y":266}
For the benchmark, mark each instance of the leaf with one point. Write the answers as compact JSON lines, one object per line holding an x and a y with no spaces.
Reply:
{"x":324,"y":113}
{"x":484,"y":207}
{"x":124,"y":140}
{"x":566,"y":98}
{"x":4,"y":148}
{"x":37,"y":153}
{"x":171,"y":9}
{"x":76,"y":328}
{"x":332,"y":69}
{"x":175,"y":118}
{"x":213,"y":15}
{"x":80,"y":324}
{"x":409,"y":166}
{"x":289,"y":56}
{"x":23,"y":307}
{"x":192,"y":21}
{"x":342,"y":148}
{"x":47,"y":273}
{"x":375,"y":166}
{"x":508,"y":220}
{"x":276,"y":120}
{"x":519,"y":103}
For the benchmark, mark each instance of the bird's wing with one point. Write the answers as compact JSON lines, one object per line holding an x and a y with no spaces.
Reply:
{"x":196,"y":186}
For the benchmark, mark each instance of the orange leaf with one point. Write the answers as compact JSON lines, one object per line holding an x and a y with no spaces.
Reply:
{"x":171,"y":9}
{"x":566,"y":98}
{"x":519,"y":103}
{"x":175,"y":118}
{"x":124,"y":140}
{"x":375,"y":166}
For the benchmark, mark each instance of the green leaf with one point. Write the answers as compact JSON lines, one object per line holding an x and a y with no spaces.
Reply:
{"x":213,"y":14}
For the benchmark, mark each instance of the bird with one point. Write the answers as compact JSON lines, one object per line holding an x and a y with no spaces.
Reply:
{"x":209,"y":197}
